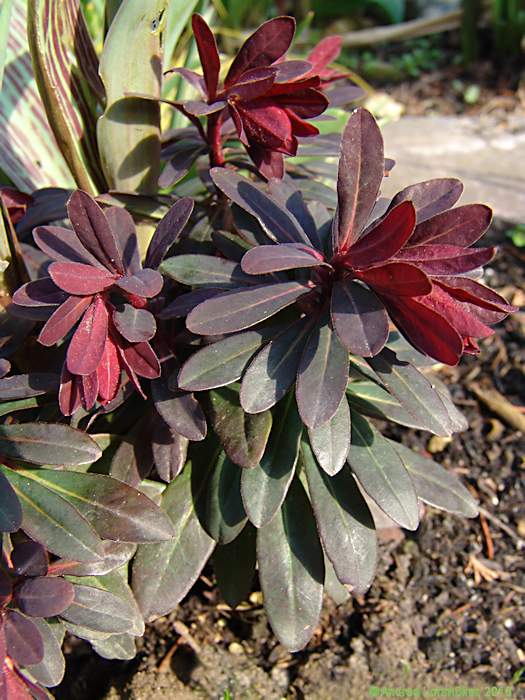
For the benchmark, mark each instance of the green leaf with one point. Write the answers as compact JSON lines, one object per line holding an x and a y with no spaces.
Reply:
{"x":66,"y":70}
{"x":242,"y":435}
{"x":100,"y":610}
{"x":129,"y":130}
{"x":116,"y":646}
{"x":332,"y":586}
{"x":47,"y":443}
{"x":50,"y":671}
{"x":435,"y":485}
{"x":291,"y":570}
{"x":5,"y":15}
{"x":179,"y":13}
{"x":176,"y":564}
{"x":331,"y":441}
{"x":51,"y":520}
{"x":264,"y":488}
{"x":10,"y":508}
{"x":116,"y":511}
{"x":381,"y":473}
{"x":196,"y":270}
{"x":234,"y":566}
{"x":344,"y":521}
{"x":221,"y":363}
{"x":414,"y":392}
{"x":225,"y":516}
{"x":375,"y":401}
{"x":36,"y":162}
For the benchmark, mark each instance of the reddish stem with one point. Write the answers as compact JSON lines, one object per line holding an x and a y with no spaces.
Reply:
{"x":214,"y":140}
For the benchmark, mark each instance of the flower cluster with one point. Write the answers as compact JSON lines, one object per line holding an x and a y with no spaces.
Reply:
{"x":98,"y":286}
{"x":268,"y":97}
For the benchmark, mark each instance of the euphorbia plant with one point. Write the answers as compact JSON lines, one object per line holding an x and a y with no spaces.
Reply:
{"x":224,"y":392}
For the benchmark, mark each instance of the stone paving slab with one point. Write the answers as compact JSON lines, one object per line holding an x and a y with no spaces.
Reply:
{"x":489,"y":157}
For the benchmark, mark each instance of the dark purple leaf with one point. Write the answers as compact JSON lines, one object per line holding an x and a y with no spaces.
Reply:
{"x":242,"y":436}
{"x":193,"y":78}
{"x":23,"y":639}
{"x":462,"y":226}
{"x":291,"y":569}
{"x":322,"y":375}
{"x":286,"y":256}
{"x":44,"y":596}
{"x":359,"y":318}
{"x":5,"y":367}
{"x":186,"y":302}
{"x":87,"y":344}
{"x":180,"y":410}
{"x":273,"y":370}
{"x":141,"y":358}
{"x":42,"y":292}
{"x":23,"y":386}
{"x":381,"y":473}
{"x":94,"y":231}
{"x":223,"y":513}
{"x":47,"y":443}
{"x":199,"y":108}
{"x":10,"y":508}
{"x":135,"y":325}
{"x":275,"y":219}
{"x":288,"y":71}
{"x":29,"y":559}
{"x":345,"y":524}
{"x":63,"y":245}
{"x":430,"y":197}
{"x":268,"y":43}
{"x":361,"y":168}
{"x":108,"y":371}
{"x":69,"y":392}
{"x":168,"y":231}
{"x":80,"y":279}
{"x":285,"y":192}
{"x":6,"y":594}
{"x":145,"y":283}
{"x":63,"y":320}
{"x":446,"y":259}
{"x":208,"y":54}
{"x":239,"y":309}
{"x":123,"y":227}
{"x":386,"y":239}
{"x":169,"y":451}
{"x":179,"y":166}
{"x":330,"y":442}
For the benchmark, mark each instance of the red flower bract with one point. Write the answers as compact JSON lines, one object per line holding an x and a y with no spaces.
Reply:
{"x":268,"y":99}
{"x":97,"y":282}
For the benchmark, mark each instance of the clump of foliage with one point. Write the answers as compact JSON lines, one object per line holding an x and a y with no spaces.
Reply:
{"x":193,"y":375}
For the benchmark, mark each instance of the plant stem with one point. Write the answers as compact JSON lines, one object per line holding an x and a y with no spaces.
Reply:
{"x":214,"y":140}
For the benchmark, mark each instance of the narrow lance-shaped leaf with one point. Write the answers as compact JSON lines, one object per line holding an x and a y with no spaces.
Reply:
{"x":239,"y":309}
{"x":361,"y":167}
{"x":242,"y":435}
{"x":224,"y":514}
{"x":291,"y":569}
{"x":430,"y":197}
{"x":208,"y":54}
{"x":273,"y":370}
{"x":205,"y":271}
{"x":116,"y":511}
{"x":286,"y":256}
{"x":279,"y":225}
{"x":23,"y":639}
{"x":382,"y":474}
{"x":235,"y":582}
{"x":10,"y":508}
{"x":46,"y":443}
{"x":100,"y":610}
{"x":52,"y":521}
{"x":50,"y":671}
{"x":177,"y":563}
{"x":168,"y":231}
{"x":345,"y":524}
{"x":66,"y":68}
{"x":322,"y":375}
{"x":264,"y":487}
{"x":435,"y":485}
{"x":88,"y":342}
{"x":128,"y":132}
{"x":359,"y":318}
{"x":330,"y":442}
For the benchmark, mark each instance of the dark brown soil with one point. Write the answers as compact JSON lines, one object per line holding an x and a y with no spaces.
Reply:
{"x":447,"y":609}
